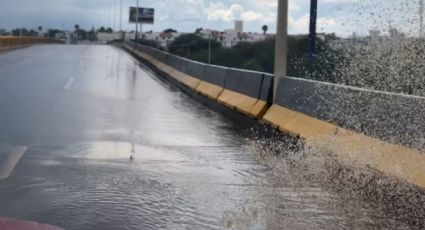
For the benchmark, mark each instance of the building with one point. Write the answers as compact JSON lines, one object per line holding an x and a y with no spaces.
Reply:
{"x":107,"y":37}
{"x":238,"y":26}
{"x":227,"y":38}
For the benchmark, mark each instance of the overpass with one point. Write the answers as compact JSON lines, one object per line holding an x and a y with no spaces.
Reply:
{"x":72,"y":115}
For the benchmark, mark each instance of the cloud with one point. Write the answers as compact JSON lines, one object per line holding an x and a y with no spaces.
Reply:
{"x":219,"y":12}
{"x":183,"y":15}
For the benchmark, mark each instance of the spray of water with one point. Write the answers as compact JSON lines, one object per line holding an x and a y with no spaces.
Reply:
{"x":304,"y":184}
{"x":380,"y":48}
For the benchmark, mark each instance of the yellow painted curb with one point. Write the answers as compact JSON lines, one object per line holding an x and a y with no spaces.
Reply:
{"x":209,"y":90}
{"x":189,"y":81}
{"x":242,"y":103}
{"x":350,"y":147}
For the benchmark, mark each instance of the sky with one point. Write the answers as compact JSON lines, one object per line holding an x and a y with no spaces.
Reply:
{"x":343,"y":17}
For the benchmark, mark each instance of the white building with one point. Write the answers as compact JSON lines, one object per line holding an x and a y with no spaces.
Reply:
{"x":227,"y":38}
{"x":107,"y":37}
{"x":239,"y":26}
{"x":232,"y":37}
{"x":164,"y":39}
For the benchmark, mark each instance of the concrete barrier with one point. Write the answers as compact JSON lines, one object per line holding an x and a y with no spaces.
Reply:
{"x":392,"y":117}
{"x":212,"y":80}
{"x":149,"y":54}
{"x":266,"y":93}
{"x":243,"y":92}
{"x":361,"y":127}
{"x":16,"y":42}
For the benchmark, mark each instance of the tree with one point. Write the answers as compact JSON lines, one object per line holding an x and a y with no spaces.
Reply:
{"x":77,"y":29}
{"x":189,"y":43}
{"x":170,"y":30}
{"x":52,"y":32}
{"x":109,"y":30}
{"x":198,"y":30}
{"x":32,"y":33}
{"x":265,"y":28}
{"x":83,"y":35}
{"x":101,"y":30}
{"x":91,"y":36}
{"x":16,"y":32}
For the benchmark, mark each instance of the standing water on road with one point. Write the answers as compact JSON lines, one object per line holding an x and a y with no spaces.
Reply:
{"x":192,"y":168}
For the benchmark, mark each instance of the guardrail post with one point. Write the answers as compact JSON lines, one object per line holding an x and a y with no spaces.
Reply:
{"x":281,"y":49}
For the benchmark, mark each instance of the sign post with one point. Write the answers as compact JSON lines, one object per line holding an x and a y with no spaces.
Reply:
{"x":137,"y":20}
{"x":141,"y":16}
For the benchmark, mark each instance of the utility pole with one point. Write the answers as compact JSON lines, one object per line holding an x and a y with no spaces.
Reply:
{"x":281,"y":49}
{"x":115,"y":16}
{"x":209,"y":50}
{"x":120,"y":15}
{"x":137,"y":19}
{"x":312,"y":35}
{"x":421,"y":18}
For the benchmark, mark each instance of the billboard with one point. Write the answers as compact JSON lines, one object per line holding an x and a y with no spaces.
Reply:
{"x":146,"y":15}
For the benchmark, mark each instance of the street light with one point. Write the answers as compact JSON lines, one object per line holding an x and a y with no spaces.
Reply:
{"x":120,"y":15}
{"x":421,"y":18}
{"x":281,"y":49}
{"x":209,"y":49}
{"x":312,"y":34}
{"x":137,"y":19}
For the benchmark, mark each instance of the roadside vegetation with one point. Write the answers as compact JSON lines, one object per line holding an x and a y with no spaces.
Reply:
{"x":394,"y":66}
{"x":259,"y":56}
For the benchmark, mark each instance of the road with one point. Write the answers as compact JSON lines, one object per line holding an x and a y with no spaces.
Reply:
{"x":71,"y":116}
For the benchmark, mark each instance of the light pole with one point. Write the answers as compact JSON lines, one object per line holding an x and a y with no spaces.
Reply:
{"x":137,"y":19}
{"x":120,"y":15}
{"x":209,"y":49}
{"x":115,"y":16}
{"x":421,"y":18}
{"x":312,"y":34}
{"x":281,"y":49}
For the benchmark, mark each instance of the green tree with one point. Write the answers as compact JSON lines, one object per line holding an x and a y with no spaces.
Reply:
{"x":92,"y":35}
{"x":101,"y":30}
{"x":170,"y":30}
{"x":77,"y":30}
{"x":52,"y":32}
{"x":189,"y":43}
{"x":83,"y":34}
{"x":265,"y":28}
{"x":259,"y":56}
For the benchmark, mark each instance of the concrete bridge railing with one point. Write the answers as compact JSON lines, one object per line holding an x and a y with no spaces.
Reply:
{"x":375,"y":129}
{"x":16,"y":42}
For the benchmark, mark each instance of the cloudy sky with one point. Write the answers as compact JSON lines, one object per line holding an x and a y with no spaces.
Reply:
{"x":340,"y":16}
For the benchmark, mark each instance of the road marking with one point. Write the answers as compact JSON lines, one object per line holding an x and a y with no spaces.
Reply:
{"x":11,"y":161}
{"x":69,"y":83}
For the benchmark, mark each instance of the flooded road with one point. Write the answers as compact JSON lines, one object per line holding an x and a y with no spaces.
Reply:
{"x":80,"y":112}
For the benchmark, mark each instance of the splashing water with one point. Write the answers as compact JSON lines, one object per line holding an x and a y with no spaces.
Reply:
{"x":381,"y":47}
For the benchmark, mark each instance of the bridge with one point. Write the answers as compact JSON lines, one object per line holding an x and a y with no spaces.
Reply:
{"x":127,"y":135}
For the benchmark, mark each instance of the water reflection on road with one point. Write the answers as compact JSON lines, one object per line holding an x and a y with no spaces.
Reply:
{"x":191,"y":168}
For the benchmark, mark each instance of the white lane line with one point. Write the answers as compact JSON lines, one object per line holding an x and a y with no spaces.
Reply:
{"x":69,"y":83}
{"x":11,"y":161}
